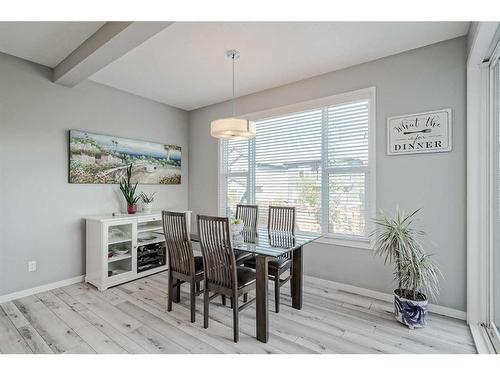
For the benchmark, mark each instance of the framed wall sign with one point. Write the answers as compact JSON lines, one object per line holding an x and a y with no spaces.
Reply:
{"x":419,"y":133}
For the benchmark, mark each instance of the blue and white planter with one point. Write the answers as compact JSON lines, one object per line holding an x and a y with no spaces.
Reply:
{"x":409,"y":312}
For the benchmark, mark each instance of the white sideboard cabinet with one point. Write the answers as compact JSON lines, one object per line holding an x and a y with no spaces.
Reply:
{"x":123,"y":248}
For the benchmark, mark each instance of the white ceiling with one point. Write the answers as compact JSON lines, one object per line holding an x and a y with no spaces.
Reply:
{"x":185,"y":65}
{"x":46,"y":43}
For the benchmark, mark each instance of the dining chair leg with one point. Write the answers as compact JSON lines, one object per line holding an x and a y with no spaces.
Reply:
{"x":206,"y":301}
{"x":170,"y":292}
{"x":277,"y":293}
{"x":231,"y":301}
{"x":245,"y":297}
{"x":193,"y":302}
{"x":198,"y":286}
{"x":236,"y":316}
{"x":223,"y":299}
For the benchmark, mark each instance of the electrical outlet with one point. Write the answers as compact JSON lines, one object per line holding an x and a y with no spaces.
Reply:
{"x":32,"y":266}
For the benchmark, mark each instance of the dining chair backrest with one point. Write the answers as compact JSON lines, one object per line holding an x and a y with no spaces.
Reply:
{"x":178,"y":243}
{"x":218,"y":256}
{"x":281,"y":219}
{"x":285,"y":240}
{"x":248,"y":213}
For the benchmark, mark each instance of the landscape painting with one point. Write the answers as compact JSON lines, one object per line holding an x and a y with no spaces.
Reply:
{"x":103,"y":159}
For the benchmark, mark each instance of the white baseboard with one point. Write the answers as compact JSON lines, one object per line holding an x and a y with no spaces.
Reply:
{"x":437,"y":309}
{"x":442,"y":310}
{"x":40,"y":289}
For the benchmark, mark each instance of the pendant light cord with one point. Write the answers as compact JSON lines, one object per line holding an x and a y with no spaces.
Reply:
{"x":232,"y":102}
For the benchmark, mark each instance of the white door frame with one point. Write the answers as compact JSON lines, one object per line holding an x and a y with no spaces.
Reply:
{"x":481,"y":38}
{"x":493,"y":66}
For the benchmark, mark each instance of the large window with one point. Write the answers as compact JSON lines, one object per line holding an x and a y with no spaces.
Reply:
{"x":319,"y":160}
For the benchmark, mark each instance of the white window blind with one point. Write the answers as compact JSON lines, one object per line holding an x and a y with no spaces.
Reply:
{"x":234,"y":186}
{"x":317,"y":160}
{"x":348,"y":168}
{"x":288,"y":166}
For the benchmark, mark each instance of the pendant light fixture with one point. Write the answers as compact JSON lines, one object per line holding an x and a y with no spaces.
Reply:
{"x":232,"y":127}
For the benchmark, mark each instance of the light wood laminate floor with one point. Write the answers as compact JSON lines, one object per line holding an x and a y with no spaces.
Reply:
{"x":132,"y":318}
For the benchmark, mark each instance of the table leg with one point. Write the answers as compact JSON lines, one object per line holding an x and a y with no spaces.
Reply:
{"x":177,"y":291}
{"x":262,"y":310}
{"x":297,"y":278}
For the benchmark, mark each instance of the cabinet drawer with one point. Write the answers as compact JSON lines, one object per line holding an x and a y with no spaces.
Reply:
{"x":149,"y":218}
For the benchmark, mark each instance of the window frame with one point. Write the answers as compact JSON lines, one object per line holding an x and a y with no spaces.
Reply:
{"x":361,"y":242}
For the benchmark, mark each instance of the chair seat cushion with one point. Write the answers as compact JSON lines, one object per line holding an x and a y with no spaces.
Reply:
{"x":245,"y":276}
{"x":198,"y":265}
{"x":274,"y":264}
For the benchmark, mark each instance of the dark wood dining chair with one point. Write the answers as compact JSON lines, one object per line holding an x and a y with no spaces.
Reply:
{"x":222,"y":275}
{"x":281,"y":229}
{"x":183,"y":266}
{"x":248,"y":214}
{"x":281,"y":219}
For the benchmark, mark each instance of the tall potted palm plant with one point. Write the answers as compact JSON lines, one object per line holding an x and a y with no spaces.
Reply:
{"x":128,"y":191}
{"x":416,"y":274}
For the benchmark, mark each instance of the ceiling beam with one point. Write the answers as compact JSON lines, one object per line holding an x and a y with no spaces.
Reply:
{"x":111,"y":41}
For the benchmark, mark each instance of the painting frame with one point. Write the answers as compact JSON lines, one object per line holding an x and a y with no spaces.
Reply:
{"x":101,"y":159}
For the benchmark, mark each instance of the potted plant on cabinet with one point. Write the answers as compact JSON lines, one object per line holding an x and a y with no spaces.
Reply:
{"x":147,"y":202}
{"x":416,"y":274}
{"x":128,"y":191}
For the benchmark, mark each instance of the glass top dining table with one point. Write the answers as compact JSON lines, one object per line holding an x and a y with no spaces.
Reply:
{"x":266,"y":245}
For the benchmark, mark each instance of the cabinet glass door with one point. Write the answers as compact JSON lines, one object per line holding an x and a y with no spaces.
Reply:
{"x":120,"y":246}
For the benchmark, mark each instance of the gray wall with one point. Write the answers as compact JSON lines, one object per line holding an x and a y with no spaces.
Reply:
{"x":41,"y":214}
{"x":431,"y":77}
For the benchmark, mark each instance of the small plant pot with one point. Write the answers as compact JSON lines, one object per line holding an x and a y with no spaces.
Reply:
{"x":147,"y":207}
{"x":412,"y":313}
{"x":131,"y":209}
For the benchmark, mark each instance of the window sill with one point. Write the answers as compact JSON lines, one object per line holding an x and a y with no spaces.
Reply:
{"x":358,"y":244}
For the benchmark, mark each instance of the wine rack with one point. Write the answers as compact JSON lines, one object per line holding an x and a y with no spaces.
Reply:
{"x":151,"y":256}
